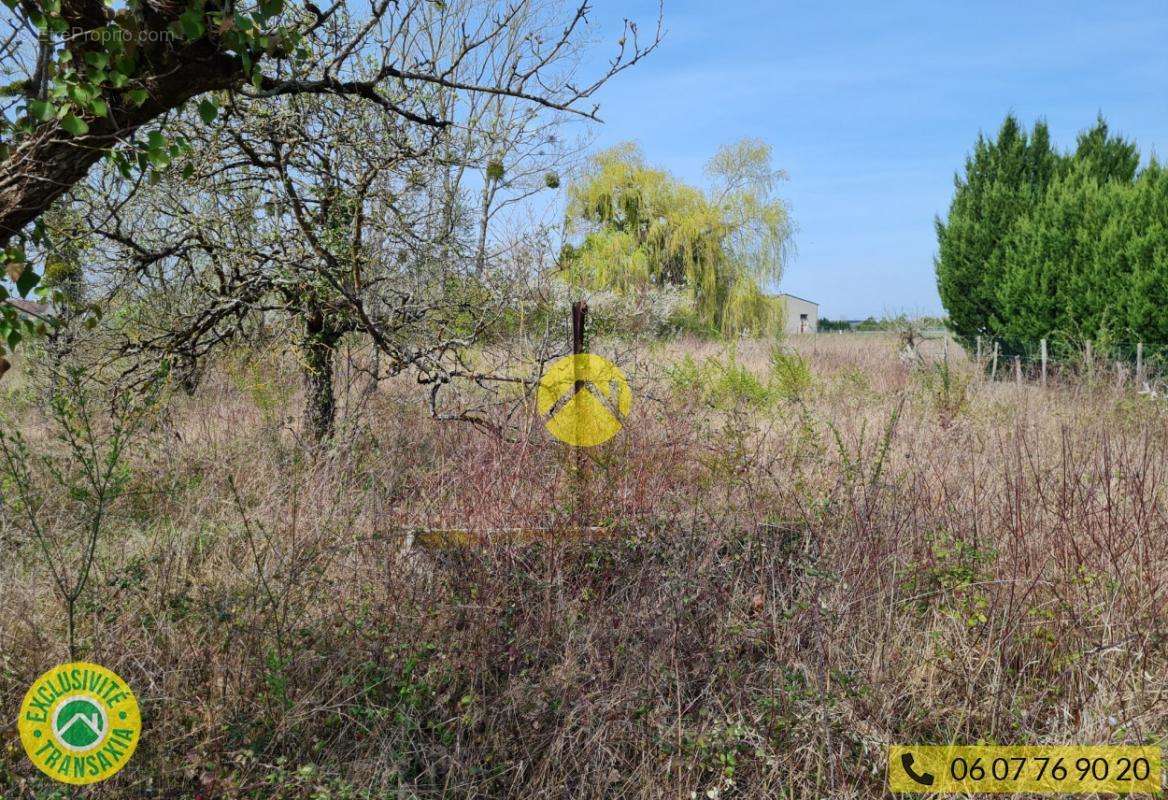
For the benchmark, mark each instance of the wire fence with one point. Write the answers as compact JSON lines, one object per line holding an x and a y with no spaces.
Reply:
{"x":1046,"y":361}
{"x":1143,"y":365}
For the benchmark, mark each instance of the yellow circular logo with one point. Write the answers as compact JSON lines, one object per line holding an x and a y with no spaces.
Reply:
{"x":79,"y":723}
{"x":585,"y":398}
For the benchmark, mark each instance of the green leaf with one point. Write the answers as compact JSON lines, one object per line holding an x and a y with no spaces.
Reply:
{"x":192,"y":23}
{"x":96,"y":58}
{"x":41,"y":109}
{"x":156,"y":141}
{"x":122,"y":163}
{"x":117,"y":79}
{"x":75,"y":125}
{"x":208,"y":110}
{"x":99,"y":108}
{"x":79,"y":94}
{"x":137,"y":96}
{"x":27,"y":281}
{"x":188,"y":170}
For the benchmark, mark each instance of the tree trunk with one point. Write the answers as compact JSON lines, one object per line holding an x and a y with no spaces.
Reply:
{"x":319,"y":353}
{"x":48,"y":163}
{"x":190,"y":374}
{"x":484,"y":224}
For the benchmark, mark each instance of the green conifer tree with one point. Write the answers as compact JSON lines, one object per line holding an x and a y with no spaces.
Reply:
{"x":1004,"y":178}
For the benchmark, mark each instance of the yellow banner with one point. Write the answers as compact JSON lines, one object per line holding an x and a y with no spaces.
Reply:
{"x":1054,"y":769}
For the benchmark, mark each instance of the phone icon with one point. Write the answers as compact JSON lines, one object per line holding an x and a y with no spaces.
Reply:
{"x":924,"y":779}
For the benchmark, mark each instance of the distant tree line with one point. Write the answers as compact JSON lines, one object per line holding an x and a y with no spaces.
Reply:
{"x":1044,"y":244}
{"x":887,"y":323}
{"x":831,"y":325}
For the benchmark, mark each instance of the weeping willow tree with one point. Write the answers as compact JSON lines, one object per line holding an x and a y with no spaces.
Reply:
{"x":633,"y":227}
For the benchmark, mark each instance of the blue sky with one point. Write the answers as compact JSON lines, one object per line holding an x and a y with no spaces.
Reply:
{"x":871,"y":108}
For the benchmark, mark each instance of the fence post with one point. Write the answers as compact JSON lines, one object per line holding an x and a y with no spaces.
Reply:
{"x":994,"y":368}
{"x":1139,"y":365}
{"x":1090,"y":362}
{"x":979,"y":351}
{"x":579,"y":317}
{"x":945,"y":349}
{"x":1018,"y":370}
{"x":1042,"y":347}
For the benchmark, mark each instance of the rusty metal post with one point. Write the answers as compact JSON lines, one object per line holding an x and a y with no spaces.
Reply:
{"x":579,"y":318}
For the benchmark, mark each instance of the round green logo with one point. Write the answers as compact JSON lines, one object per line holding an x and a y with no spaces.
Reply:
{"x":79,"y":723}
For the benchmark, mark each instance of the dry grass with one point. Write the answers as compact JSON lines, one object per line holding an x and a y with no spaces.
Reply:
{"x":799,"y":580}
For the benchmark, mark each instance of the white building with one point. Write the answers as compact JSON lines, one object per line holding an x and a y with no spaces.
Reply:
{"x":799,"y":315}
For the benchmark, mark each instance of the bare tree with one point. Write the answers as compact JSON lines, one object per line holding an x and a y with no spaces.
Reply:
{"x":85,"y":79}
{"x":340,"y":220}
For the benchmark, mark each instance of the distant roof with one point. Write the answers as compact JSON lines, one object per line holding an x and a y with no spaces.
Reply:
{"x":794,"y":297}
{"x":28,"y":307}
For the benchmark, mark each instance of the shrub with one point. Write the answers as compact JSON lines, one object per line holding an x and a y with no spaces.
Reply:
{"x":790,"y":374}
{"x":947,"y":389}
{"x":720,"y":382}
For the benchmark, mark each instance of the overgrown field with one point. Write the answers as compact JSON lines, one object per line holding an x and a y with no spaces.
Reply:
{"x":814,"y":552}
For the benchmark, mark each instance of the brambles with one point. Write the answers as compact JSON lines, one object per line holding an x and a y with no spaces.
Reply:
{"x":790,"y":586}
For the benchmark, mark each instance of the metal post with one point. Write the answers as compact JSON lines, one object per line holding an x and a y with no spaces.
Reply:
{"x":1139,"y":365}
{"x":579,"y":317}
{"x":1042,"y":346}
{"x":994,"y":368}
{"x":1018,"y":370}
